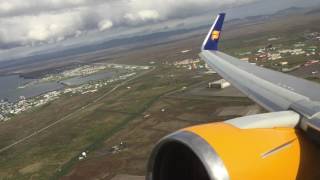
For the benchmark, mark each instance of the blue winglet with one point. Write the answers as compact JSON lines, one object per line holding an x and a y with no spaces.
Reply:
{"x":212,"y":40}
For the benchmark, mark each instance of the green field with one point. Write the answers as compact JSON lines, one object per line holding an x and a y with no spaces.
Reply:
{"x":52,"y":152}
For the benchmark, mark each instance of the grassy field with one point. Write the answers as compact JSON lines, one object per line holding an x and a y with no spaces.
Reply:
{"x":52,"y":148}
{"x":53,"y":152}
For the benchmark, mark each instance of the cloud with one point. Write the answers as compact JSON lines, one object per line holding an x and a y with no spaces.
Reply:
{"x":105,"y":24}
{"x":24,"y":7}
{"x":142,"y":16}
{"x":46,"y":27}
{"x":29,"y":22}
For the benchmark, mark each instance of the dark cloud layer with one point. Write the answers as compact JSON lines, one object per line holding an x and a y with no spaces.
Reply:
{"x":30,"y":22}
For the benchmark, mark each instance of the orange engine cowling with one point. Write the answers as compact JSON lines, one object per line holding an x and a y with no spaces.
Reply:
{"x":223,"y":151}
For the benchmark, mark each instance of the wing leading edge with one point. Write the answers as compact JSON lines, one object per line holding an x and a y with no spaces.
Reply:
{"x":273,"y":90}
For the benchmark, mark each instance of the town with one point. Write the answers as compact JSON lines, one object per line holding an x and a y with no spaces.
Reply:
{"x":274,"y":55}
{"x":285,"y":56}
{"x":10,"y":109}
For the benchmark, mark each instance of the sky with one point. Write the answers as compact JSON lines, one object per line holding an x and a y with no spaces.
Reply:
{"x":36,"y":25}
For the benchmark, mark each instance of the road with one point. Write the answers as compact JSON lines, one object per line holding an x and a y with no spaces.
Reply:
{"x":73,"y":113}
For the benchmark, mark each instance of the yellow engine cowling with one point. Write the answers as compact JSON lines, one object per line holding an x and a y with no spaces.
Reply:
{"x":223,"y":151}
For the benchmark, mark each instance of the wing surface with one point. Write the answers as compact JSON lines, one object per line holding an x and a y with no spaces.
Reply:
{"x":273,"y":90}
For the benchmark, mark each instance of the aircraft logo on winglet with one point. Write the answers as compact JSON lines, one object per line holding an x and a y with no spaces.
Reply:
{"x":212,"y":39}
{"x":215,"y":35}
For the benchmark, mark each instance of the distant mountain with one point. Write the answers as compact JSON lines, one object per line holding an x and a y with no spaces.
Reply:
{"x":284,"y":12}
{"x":125,"y":43}
{"x":235,"y":21}
{"x":314,"y":11}
{"x":257,"y":18}
{"x":288,"y":11}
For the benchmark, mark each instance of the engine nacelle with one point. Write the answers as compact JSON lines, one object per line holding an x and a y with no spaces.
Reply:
{"x":225,"y":151}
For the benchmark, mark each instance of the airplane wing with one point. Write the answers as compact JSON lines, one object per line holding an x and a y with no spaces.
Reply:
{"x":262,"y":146}
{"x":273,"y":90}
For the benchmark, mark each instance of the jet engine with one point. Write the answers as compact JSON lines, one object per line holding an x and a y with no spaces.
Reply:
{"x":265,"y":146}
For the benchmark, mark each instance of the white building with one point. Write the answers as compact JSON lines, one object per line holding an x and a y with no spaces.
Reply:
{"x":298,"y":52}
{"x":285,"y":51}
{"x":275,"y":56}
{"x":221,"y":84}
{"x":187,"y":62}
{"x":245,"y":59}
{"x":300,"y":44}
{"x":185,"y":51}
{"x":273,"y":39}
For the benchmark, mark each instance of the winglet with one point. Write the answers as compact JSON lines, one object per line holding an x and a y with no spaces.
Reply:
{"x":212,"y":40}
